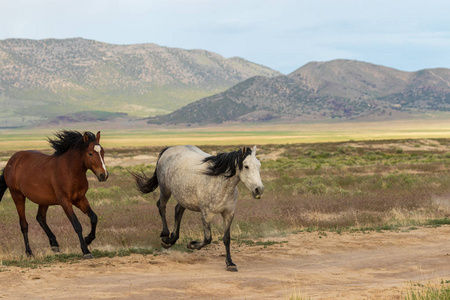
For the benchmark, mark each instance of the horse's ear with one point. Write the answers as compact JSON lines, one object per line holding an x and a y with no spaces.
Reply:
{"x":254,"y":151}
{"x":85,"y":137}
{"x":98,"y":137}
{"x":244,"y":149}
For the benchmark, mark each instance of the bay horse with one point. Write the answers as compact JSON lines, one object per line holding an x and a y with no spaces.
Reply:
{"x":58,"y":179}
{"x":203,"y":183}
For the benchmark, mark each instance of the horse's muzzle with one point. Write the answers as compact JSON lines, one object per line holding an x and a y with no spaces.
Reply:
{"x":102,"y":177}
{"x":258,"y":192}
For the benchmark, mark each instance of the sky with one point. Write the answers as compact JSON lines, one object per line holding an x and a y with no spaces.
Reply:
{"x":408,"y":35}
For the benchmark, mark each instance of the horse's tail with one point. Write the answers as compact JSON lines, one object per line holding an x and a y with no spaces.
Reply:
{"x":3,"y":186}
{"x":144,"y":184}
{"x":147,"y":185}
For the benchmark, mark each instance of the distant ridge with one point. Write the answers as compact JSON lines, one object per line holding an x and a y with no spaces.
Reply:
{"x":42,"y":79}
{"x":338,"y":89}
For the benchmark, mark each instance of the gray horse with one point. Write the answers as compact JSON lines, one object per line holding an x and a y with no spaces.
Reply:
{"x":204,"y":183}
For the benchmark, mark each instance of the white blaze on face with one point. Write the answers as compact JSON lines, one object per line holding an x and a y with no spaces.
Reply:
{"x":98,"y":148}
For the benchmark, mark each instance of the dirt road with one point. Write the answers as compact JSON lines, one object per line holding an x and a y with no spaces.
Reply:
{"x":348,"y":266}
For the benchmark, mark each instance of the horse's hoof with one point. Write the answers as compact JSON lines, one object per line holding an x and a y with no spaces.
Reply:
{"x":88,"y":256}
{"x":166,"y":246}
{"x":232,"y":268}
{"x":192,"y":245}
{"x":55,"y":248}
{"x":30,"y":255}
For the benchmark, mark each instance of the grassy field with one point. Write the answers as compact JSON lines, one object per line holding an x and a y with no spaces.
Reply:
{"x":318,"y":177}
{"x":259,"y":134}
{"x":330,"y":186}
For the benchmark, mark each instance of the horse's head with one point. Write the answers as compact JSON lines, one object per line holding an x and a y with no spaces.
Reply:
{"x":249,"y":174}
{"x":94,"y":157}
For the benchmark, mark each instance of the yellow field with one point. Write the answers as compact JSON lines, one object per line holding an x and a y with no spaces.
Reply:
{"x":258,"y":134}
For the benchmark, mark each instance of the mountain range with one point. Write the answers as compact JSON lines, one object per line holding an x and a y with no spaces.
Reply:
{"x":319,"y":91}
{"x":75,"y":80}
{"x":69,"y":79}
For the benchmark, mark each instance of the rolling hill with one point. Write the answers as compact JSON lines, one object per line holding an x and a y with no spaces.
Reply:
{"x":319,"y":91}
{"x":44,"y":79}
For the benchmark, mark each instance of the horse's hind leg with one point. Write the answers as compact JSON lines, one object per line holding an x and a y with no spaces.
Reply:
{"x":41,"y":217}
{"x":84,"y":206}
{"x":179,"y":210}
{"x":165,"y":233}
{"x":19,"y":201}
{"x":206,"y":219}
{"x":227,"y":219}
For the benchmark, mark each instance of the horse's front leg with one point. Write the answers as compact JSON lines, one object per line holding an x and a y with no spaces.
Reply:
{"x":227,"y":220}
{"x":84,"y":206}
{"x":68,"y":209}
{"x":206,"y":219}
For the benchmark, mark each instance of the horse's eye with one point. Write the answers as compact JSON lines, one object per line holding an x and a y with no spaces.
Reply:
{"x":246,"y":167}
{"x":90,"y":154}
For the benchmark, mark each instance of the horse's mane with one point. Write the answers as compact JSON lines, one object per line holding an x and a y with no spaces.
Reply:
{"x":70,"y":139}
{"x":226,"y":163}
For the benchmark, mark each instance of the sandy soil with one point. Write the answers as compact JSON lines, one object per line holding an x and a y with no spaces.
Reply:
{"x":348,"y":266}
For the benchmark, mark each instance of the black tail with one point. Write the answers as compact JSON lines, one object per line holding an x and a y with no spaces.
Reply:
{"x":144,"y":184}
{"x":3,"y":186}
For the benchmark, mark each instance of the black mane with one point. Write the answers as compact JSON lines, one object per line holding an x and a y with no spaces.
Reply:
{"x":226,"y":163}
{"x":70,"y":139}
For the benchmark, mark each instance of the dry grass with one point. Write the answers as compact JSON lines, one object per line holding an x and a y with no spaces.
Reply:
{"x":437,"y":126}
{"x":320,"y":186}
{"x":430,"y":291}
